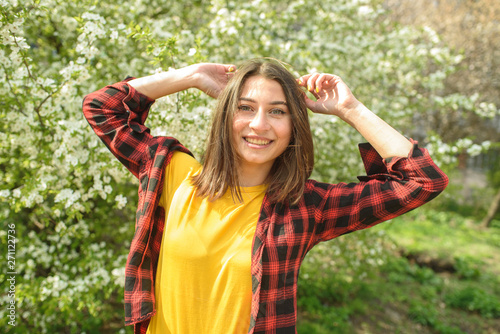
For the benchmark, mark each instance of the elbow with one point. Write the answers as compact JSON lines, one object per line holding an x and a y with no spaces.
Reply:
{"x":85,"y":105}
{"x":435,"y":186}
{"x":440,"y":183}
{"x":446,"y":180}
{"x":84,"y":100}
{"x":434,"y":179}
{"x":91,"y":106}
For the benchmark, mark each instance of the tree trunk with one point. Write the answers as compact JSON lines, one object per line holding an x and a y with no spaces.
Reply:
{"x":495,"y":204}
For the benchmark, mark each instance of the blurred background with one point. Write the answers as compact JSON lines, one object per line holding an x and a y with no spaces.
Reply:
{"x":428,"y":67}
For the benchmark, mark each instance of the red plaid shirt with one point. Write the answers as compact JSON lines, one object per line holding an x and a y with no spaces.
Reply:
{"x":284,"y":233}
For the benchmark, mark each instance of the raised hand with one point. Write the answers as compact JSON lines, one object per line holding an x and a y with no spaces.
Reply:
{"x":332,"y":95}
{"x":212,"y":78}
{"x":335,"y":98}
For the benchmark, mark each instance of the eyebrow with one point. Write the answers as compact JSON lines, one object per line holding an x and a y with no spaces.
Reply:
{"x":272,"y":103}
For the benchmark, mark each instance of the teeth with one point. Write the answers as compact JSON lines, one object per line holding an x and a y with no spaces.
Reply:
{"x":257,"y":141}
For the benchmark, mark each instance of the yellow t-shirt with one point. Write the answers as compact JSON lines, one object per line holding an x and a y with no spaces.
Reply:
{"x":203,"y":282}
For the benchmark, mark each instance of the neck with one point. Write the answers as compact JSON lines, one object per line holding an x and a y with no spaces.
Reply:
{"x":250,"y":176}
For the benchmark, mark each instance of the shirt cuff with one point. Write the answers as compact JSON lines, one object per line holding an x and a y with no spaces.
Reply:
{"x":378,"y":168}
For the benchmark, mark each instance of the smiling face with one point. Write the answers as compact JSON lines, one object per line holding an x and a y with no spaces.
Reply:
{"x":269,"y":136}
{"x":262,"y":125}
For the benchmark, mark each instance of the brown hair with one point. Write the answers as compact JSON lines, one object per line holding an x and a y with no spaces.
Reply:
{"x":290,"y":170}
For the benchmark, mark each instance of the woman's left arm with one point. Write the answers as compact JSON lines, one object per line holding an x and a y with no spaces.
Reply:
{"x":334,"y":97}
{"x":391,"y":187}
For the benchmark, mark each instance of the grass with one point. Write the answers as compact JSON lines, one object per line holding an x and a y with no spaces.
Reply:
{"x":409,"y":293}
{"x":446,"y":235}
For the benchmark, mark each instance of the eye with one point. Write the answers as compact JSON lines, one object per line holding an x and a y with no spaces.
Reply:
{"x":277,"y":111}
{"x":244,"y":107}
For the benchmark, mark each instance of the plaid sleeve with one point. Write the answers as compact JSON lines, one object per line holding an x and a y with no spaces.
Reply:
{"x":392,"y":187}
{"x":117,"y":114}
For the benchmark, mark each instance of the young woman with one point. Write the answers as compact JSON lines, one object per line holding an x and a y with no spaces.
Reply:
{"x":218,"y":245}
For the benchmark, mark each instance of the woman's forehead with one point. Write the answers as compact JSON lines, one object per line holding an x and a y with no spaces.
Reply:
{"x":260,"y":86}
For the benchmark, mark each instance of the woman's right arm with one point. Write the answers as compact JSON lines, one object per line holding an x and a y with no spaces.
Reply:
{"x":117,"y":112}
{"x":209,"y":78}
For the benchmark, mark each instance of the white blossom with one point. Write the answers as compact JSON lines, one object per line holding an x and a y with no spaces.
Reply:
{"x":121,"y":201}
{"x":16,"y":193}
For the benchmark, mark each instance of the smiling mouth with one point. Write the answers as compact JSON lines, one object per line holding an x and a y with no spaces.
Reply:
{"x":255,"y":141}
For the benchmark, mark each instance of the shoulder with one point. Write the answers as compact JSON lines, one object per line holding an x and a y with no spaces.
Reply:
{"x":183,"y":164}
{"x":180,"y":168}
{"x":184,"y":159}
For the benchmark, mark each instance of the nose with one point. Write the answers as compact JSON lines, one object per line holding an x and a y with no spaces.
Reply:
{"x":260,"y":121}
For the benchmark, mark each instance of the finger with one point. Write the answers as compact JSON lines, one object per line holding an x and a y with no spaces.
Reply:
{"x":340,"y":87}
{"x":230,"y":71}
{"x":335,"y":80}
{"x":322,"y":82}
{"x":314,"y":106}
{"x":310,"y":104}
{"x":230,"y":68}
{"x":302,"y":81}
{"x":311,"y":83}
